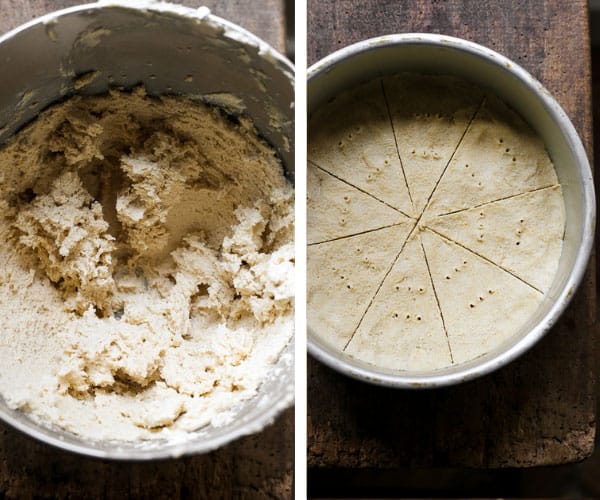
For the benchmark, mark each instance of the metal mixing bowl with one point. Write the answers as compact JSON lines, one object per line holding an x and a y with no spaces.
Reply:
{"x":169,"y":49}
{"x":438,"y":54}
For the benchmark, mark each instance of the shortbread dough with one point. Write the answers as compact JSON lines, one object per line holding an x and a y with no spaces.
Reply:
{"x":146,"y":281}
{"x":435,"y":222}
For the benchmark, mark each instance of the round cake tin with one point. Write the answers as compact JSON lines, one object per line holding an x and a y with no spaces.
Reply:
{"x":444,"y":55}
{"x":169,"y":49}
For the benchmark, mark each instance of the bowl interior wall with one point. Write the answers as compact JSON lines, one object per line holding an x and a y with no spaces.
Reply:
{"x":170,"y":54}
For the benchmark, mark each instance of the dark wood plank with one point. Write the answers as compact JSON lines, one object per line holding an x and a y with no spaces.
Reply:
{"x":540,"y":409}
{"x":259,"y":466}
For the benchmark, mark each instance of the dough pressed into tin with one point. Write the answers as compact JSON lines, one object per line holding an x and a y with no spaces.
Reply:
{"x":440,"y":253}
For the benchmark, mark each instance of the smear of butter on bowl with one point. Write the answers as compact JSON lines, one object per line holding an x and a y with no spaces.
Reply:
{"x":230,"y":103}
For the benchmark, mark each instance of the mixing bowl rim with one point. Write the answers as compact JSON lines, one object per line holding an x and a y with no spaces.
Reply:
{"x":156,"y":450}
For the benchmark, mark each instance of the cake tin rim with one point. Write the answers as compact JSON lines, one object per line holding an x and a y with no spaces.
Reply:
{"x":406,"y":380}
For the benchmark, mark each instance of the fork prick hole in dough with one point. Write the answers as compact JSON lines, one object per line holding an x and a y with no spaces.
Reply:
{"x":437,"y":301}
{"x":389,"y":113}
{"x":389,"y":269}
{"x":486,"y":259}
{"x":358,"y":188}
{"x":452,"y":156}
{"x":496,"y":200}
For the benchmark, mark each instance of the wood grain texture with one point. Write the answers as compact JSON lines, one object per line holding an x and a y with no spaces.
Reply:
{"x":538,"y":410}
{"x":255,"y":467}
{"x":259,"y":466}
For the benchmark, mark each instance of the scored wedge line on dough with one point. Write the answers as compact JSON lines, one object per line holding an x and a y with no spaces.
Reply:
{"x":437,"y":300}
{"x":380,"y":285}
{"x":484,"y":258}
{"x":381,"y":228}
{"x":336,"y":209}
{"x":404,"y":328}
{"x":358,"y":189}
{"x":353,"y":268}
{"x":499,"y":156}
{"x":429,"y":114}
{"x":359,"y":148}
{"x":483,"y":306}
{"x":507,"y":232}
{"x":491,"y":202}
{"x":389,"y":112}
{"x":452,"y":156}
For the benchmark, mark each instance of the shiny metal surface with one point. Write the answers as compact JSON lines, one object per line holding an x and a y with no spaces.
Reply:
{"x":438,"y":54}
{"x":169,"y":49}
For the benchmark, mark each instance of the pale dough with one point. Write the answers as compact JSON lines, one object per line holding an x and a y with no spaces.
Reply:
{"x":348,"y":272}
{"x":499,"y":156}
{"x":404,"y":314}
{"x":429,"y":117}
{"x":508,"y":232}
{"x":347,"y":139}
{"x":147,"y":277}
{"x":481,"y":240}
{"x":336,"y":209}
{"x":481,"y":304}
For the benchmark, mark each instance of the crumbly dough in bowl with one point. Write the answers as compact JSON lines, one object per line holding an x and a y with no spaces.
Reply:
{"x":147,"y":267}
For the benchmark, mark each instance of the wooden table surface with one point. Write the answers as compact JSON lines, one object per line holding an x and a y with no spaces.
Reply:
{"x":538,"y":410}
{"x":259,"y":466}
